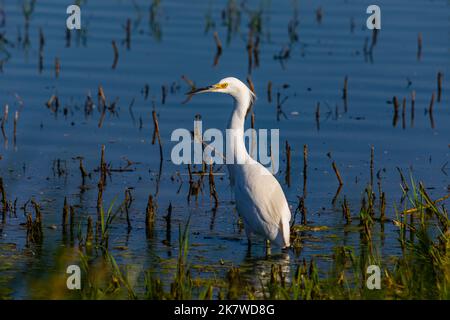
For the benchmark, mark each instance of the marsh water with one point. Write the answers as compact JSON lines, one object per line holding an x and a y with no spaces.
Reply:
{"x":306,"y":50}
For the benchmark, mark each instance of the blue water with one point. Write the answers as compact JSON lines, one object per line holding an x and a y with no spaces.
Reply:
{"x":324,"y":54}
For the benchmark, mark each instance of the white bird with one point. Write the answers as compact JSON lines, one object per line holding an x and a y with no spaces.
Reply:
{"x":260,"y":200}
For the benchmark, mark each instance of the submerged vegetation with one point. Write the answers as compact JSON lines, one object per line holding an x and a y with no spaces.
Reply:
{"x":422,"y":271}
{"x":323,"y":94}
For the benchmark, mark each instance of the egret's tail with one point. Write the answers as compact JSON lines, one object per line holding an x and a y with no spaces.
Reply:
{"x":283,"y":237}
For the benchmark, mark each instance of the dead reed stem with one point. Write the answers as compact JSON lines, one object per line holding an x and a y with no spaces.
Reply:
{"x":318,"y":116}
{"x":4,"y":201}
{"x":419,"y":46}
{"x":269,"y":91}
{"x":127,"y":204}
{"x":439,"y":86}
{"x":430,"y":110}
{"x":116,"y":54}
{"x":345,"y":93}
{"x":288,"y":164}
{"x":16,"y":119}
{"x":338,"y":175}
{"x":396,"y":107}
{"x":218,"y":48}
{"x":65,"y":218}
{"x":157,"y":135}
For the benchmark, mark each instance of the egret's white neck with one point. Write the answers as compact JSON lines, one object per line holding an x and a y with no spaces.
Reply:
{"x":235,"y":132}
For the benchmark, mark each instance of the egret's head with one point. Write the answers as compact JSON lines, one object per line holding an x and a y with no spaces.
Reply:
{"x":230,"y":85}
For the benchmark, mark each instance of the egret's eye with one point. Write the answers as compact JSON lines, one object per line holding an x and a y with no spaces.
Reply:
{"x":222,"y":85}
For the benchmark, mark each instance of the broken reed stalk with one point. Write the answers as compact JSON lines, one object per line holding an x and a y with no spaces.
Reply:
{"x":168,"y":219}
{"x":346,"y":211}
{"x":252,"y":120}
{"x":149,"y":213}
{"x":53,"y":104}
{"x":102,"y":105}
{"x":218,"y":43}
{"x":250,"y":50}
{"x":338,"y":175}
{"x":157,"y":135}
{"x":127,"y":204}
{"x":68,"y":38}
{"x":403,"y":180}
{"x":83,"y":171}
{"x":439,"y":86}
{"x":37,"y":225}
{"x":212,"y":187}
{"x":101,"y":97}
{"x":318,"y":116}
{"x":269,"y":91}
{"x":4,"y":119}
{"x":288,"y":164}
{"x":128,"y":34}
{"x":99,"y":199}
{"x":116,"y":54}
{"x":382,"y":206}
{"x":252,"y":88}
{"x":16,"y":119}
{"x":396,"y":107}
{"x":101,"y":183}
{"x":65,"y":217}
{"x":41,"y":50}
{"x":305,"y":168}
{"x":302,"y":209}
{"x":29,"y":228}
{"x":250,"y":84}
{"x":430,"y":110}
{"x":4,"y":201}
{"x":419,"y":46}
{"x":319,"y":15}
{"x":163,"y":94}
{"x":218,"y":50}
{"x":336,"y":195}
{"x":103,"y":166}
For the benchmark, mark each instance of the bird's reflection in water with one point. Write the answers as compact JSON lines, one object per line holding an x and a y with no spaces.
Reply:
{"x":257,"y":266}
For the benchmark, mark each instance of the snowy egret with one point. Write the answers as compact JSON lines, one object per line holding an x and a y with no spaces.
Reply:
{"x":260,"y":200}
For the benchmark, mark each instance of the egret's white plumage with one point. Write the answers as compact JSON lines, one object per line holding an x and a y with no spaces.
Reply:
{"x":260,"y":200}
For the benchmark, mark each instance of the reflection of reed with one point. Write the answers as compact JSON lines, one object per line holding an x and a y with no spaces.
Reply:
{"x":430,"y":110}
{"x":419,"y":46}
{"x":396,"y":106}
{"x":218,"y":50}
{"x":116,"y":55}
{"x":265,"y":270}
{"x":439,"y":86}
